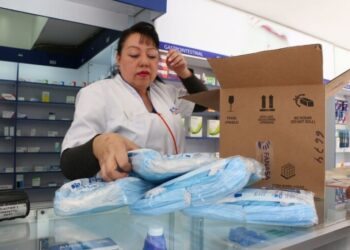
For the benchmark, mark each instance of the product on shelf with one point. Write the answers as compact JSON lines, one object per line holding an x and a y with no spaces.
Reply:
{"x":8,"y":114}
{"x":36,"y":182}
{"x":5,"y":186}
{"x":341,"y":110}
{"x":52,"y":133}
{"x":57,"y":147}
{"x":213,"y":128}
{"x":20,"y":181}
{"x":33,"y":132}
{"x":33,"y":149}
{"x":8,"y":96}
{"x":196,"y":125}
{"x":70,"y":99}
{"x":40,"y":168}
{"x":45,"y":96}
{"x":21,"y":149}
{"x":52,"y":116}
{"x":23,"y":169}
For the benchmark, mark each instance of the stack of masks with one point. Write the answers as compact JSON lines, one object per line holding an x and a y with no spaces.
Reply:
{"x":151,"y":166}
{"x":94,"y":195}
{"x":197,"y":183}
{"x":261,"y":206}
{"x":199,"y":187}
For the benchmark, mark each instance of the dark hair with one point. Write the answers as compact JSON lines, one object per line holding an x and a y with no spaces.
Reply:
{"x":146,"y":30}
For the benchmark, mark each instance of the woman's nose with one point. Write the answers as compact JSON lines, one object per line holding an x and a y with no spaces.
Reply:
{"x":144,"y":60}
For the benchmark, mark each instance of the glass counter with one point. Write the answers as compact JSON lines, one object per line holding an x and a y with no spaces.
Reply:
{"x":42,"y":229}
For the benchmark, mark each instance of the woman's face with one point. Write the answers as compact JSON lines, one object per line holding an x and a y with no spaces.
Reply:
{"x":138,"y":61}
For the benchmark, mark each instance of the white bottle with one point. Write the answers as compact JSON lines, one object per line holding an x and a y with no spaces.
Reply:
{"x":155,"y":239}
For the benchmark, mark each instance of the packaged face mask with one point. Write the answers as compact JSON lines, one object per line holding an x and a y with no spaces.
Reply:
{"x":150,"y":165}
{"x":90,"y":195}
{"x":261,"y":206}
{"x":208,"y":184}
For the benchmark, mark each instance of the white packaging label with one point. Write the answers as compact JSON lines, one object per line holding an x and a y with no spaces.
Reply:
{"x":11,"y":211}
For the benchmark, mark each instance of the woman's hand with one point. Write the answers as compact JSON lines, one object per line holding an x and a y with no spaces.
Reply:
{"x":111,"y":150}
{"x":176,"y":62}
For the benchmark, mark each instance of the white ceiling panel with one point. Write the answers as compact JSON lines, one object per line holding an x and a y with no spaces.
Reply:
{"x":327,"y":20}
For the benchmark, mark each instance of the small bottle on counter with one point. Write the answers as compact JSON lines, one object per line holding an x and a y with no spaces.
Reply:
{"x":155,"y":239}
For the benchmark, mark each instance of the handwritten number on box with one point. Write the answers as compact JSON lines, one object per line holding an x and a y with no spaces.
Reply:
{"x":319,"y":147}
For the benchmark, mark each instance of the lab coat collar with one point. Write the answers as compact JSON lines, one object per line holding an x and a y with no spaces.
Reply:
{"x":119,"y":79}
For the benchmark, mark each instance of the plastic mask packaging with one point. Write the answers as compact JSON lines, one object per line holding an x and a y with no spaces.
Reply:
{"x":208,"y":184}
{"x":150,"y":165}
{"x":93,"y":195}
{"x":261,"y":206}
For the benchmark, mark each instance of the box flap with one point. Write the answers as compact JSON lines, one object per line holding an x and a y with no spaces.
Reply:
{"x":300,"y":65}
{"x":209,"y":99}
{"x":337,"y":83}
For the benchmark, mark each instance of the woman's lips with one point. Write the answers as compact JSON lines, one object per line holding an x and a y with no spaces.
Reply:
{"x":143,"y":73}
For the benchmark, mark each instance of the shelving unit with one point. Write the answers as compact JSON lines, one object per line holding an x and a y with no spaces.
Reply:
{"x":202,"y":70}
{"x":33,"y":126}
{"x":33,"y":130}
{"x":342,"y":128}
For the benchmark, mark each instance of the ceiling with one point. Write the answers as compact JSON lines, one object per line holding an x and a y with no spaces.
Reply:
{"x":323,"y":19}
{"x":36,"y":38}
{"x":26,"y":31}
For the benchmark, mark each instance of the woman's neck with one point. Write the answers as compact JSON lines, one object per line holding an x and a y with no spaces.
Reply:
{"x":146,"y":100}
{"x":144,"y":94}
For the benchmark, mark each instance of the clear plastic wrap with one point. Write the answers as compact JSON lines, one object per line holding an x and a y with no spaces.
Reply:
{"x":202,"y":186}
{"x":262,"y":206}
{"x":150,"y":165}
{"x":93,"y":194}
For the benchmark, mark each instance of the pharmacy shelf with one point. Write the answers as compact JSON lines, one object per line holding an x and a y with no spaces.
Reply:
{"x":64,"y":104}
{"x":44,"y":120}
{"x":342,"y":150}
{"x":37,"y":153}
{"x":7,"y":119}
{"x":49,"y":85}
{"x":39,"y":172}
{"x":202,"y":138}
{"x":7,"y":137}
{"x":7,"y":101}
{"x":7,"y":82}
{"x":339,"y":126}
{"x":207,"y":114}
{"x":41,"y":187}
{"x":40,"y":137}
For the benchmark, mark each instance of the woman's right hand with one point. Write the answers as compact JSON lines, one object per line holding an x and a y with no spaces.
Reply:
{"x":111,"y":151}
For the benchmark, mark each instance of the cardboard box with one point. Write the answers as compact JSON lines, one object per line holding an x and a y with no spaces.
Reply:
{"x":272,"y":108}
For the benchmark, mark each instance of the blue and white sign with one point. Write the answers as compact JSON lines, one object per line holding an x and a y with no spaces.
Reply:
{"x":156,"y":5}
{"x":189,"y":51}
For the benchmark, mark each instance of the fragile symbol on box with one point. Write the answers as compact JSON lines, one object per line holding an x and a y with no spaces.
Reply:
{"x":287,"y":171}
{"x":231,"y":100}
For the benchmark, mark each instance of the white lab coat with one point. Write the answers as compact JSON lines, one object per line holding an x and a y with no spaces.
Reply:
{"x":112,"y":105}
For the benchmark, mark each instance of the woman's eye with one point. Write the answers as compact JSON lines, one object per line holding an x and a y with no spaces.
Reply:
{"x":152,"y":56}
{"x":134,"y":56}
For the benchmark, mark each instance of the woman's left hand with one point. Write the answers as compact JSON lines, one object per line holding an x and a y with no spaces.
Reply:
{"x":176,"y":62}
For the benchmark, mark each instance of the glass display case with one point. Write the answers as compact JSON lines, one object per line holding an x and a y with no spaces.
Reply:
{"x":120,"y":229}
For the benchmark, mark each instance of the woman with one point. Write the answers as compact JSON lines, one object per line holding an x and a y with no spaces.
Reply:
{"x":132,"y":110}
